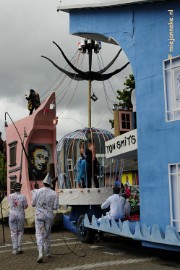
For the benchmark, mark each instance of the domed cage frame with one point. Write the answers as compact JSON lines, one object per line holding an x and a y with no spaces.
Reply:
{"x":68,"y":152}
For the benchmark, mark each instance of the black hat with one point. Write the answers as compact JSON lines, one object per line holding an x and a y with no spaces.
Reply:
{"x":17,"y":186}
{"x":116,"y":190}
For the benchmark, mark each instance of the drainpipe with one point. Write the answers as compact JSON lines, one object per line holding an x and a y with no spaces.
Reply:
{"x":116,"y":120}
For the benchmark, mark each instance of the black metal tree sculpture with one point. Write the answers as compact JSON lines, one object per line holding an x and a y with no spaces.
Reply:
{"x":88,"y":45}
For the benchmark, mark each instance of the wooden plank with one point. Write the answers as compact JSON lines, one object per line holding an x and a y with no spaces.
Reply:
{"x":85,"y":196}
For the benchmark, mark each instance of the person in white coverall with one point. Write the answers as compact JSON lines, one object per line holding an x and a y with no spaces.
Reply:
{"x":18,"y":204}
{"x":45,"y":200}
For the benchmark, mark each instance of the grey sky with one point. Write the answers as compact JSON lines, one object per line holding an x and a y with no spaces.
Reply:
{"x":28,"y":28}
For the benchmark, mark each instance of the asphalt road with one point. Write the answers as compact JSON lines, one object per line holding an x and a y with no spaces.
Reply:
{"x":69,"y":254}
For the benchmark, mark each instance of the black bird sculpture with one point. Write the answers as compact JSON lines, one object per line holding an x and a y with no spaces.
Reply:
{"x":79,"y":75}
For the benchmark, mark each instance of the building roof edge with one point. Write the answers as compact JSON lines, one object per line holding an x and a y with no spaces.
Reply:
{"x":67,"y":5}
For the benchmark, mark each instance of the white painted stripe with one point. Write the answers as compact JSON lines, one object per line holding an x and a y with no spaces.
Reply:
{"x":106,"y":264}
{"x":94,"y":247}
{"x":34,"y":246}
{"x":34,"y":242}
{"x":114,"y":253}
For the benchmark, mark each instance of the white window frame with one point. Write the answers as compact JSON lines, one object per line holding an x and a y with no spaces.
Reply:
{"x":170,"y":87}
{"x":126,"y":122}
{"x":174,"y":194}
{"x":12,"y":153}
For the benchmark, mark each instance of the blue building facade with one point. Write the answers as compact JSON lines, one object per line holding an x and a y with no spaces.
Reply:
{"x":149,"y":34}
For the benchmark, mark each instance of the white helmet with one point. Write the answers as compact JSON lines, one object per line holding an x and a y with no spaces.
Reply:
{"x":47,"y":180}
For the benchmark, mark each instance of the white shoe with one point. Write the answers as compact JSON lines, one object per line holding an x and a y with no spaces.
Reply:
{"x":14,"y":252}
{"x":46,"y":251}
{"x":40,"y":258}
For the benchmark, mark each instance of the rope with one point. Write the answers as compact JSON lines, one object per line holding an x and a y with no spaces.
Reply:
{"x":52,"y":85}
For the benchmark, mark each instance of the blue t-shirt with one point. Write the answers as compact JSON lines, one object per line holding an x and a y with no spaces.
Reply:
{"x":81,"y":170}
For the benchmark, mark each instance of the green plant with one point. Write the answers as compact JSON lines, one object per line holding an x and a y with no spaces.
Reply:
{"x":3,"y":173}
{"x":124,"y":95}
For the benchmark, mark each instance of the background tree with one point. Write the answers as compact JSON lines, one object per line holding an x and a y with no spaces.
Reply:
{"x":124,"y":95}
{"x":3,"y":174}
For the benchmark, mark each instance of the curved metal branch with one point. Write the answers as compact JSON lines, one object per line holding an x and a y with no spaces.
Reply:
{"x":104,"y":77}
{"x":110,"y":64}
{"x":89,"y":75}
{"x":73,"y":76}
{"x":67,"y":60}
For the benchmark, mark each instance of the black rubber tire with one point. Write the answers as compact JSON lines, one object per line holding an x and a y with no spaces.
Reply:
{"x":85,"y":235}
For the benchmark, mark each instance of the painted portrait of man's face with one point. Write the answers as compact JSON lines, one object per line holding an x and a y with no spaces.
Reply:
{"x":40,"y":156}
{"x":40,"y":159}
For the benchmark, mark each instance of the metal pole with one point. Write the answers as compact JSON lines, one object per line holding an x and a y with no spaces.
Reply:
{"x":18,"y":134}
{"x":3,"y":159}
{"x":87,"y":47}
{"x":20,"y":175}
{"x":22,"y":143}
{"x":89,"y":85}
{"x":89,"y":104}
{"x":116,"y":123}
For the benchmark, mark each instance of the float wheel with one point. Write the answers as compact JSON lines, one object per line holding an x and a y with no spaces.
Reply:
{"x":85,"y":235}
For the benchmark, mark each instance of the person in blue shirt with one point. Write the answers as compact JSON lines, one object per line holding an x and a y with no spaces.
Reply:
{"x":117,"y":182}
{"x":81,"y":168}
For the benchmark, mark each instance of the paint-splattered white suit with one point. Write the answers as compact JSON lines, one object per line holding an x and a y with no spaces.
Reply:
{"x":18,"y":204}
{"x":45,"y":200}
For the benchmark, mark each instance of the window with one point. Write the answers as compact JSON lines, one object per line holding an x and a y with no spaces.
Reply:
{"x":125,"y":119}
{"x":12,"y":153}
{"x":69,"y":164}
{"x":12,"y":182}
{"x":174,"y":190}
{"x":172,"y":88}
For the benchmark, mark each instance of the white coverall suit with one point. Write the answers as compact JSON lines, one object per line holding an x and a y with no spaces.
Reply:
{"x":45,"y":200}
{"x":18,"y":204}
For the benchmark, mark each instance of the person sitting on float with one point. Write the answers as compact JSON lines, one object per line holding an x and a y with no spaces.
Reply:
{"x":127,"y":191}
{"x":118,"y":183}
{"x":116,"y":202}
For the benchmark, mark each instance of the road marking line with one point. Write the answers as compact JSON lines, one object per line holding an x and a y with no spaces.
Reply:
{"x":31,"y":242}
{"x":115,"y":253}
{"x":106,"y":264}
{"x":94,"y":247}
{"x":52,"y":245}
